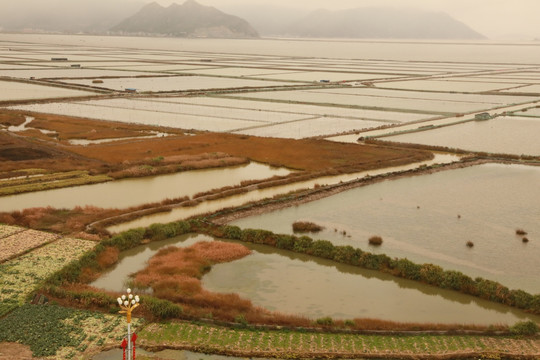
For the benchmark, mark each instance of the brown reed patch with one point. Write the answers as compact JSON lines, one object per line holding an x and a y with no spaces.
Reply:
{"x":108,"y":257}
{"x":306,"y":226}
{"x":375,"y":240}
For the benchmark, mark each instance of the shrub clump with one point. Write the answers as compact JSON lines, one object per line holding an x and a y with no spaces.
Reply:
{"x":306,"y":226}
{"x":375,"y":240}
{"x":521,"y":232}
{"x":525,"y":328}
{"x":470,"y":244}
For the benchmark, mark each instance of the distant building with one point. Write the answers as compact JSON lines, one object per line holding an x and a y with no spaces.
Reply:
{"x":131,"y":90}
{"x":59,"y":59}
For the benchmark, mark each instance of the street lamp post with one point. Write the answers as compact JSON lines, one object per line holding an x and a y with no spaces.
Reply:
{"x":128,"y":303}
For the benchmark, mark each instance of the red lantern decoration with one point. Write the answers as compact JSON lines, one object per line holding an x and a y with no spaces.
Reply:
{"x":133,"y":340}
{"x":124,"y":345}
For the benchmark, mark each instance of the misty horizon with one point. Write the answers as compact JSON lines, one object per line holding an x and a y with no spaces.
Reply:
{"x":504,"y":20}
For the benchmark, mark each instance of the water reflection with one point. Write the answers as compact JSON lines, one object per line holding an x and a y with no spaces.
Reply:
{"x":133,"y":260}
{"x":138,"y":191}
{"x":300,"y":284}
{"x":240,"y":199}
{"x":492,"y":201}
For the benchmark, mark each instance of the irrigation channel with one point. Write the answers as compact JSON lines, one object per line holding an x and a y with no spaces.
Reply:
{"x":181,"y":213}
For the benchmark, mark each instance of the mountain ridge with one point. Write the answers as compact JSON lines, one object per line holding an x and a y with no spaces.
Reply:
{"x":381,"y":22}
{"x":189,"y":19}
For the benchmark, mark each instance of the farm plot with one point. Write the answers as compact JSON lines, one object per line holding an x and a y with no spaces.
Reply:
{"x":20,"y":242}
{"x":62,"y":333}
{"x":146,"y":117}
{"x":527,"y":89}
{"x":424,"y":106}
{"x":321,"y":345}
{"x":19,"y":276}
{"x":534,"y":112}
{"x":304,"y":109}
{"x":164,"y":106}
{"x":178,"y":83}
{"x":53,"y":73}
{"x":6,"y":230}
{"x":10,"y":90}
{"x":319,"y":126}
{"x":488,"y":100}
{"x":447,"y":85}
{"x":502,"y":135}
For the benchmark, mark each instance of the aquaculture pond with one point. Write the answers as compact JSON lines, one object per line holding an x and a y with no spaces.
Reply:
{"x":181,"y":213}
{"x":503,"y":135}
{"x":430,"y":219}
{"x":315,"y":288}
{"x":138,"y":191}
{"x":300,"y":284}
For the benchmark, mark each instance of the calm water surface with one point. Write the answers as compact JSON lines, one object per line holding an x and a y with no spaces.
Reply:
{"x":138,"y":191}
{"x":418,"y":219}
{"x":240,"y":199}
{"x":503,"y":135}
{"x":299,"y":284}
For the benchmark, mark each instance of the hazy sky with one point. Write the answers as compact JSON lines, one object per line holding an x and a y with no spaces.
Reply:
{"x":493,"y":18}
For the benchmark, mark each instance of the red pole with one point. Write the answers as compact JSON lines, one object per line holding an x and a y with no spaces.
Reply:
{"x":133,"y":339}
{"x":124,"y":345}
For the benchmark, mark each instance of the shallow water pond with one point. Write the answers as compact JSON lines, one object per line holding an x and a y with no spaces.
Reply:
{"x":300,"y":284}
{"x":503,"y":135}
{"x":430,"y":218}
{"x":315,"y":288}
{"x":137,"y":191}
{"x":181,"y":213}
{"x":133,"y":260}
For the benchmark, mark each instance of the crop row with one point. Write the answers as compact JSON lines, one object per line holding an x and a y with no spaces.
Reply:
{"x":293,"y":344}
{"x":21,"y":242}
{"x":19,"y":277}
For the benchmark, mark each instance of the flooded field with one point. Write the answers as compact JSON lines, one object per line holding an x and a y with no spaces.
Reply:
{"x":10,"y":90}
{"x":177,"y":83}
{"x":430,"y":218}
{"x":502,"y":135}
{"x":260,"y":194}
{"x":139,"y":191}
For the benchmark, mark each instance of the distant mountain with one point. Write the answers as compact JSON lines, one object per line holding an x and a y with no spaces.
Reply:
{"x":88,"y":16}
{"x":380,"y":23}
{"x":187,"y":20}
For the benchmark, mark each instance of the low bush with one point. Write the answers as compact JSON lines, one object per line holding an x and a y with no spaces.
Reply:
{"x":375,"y":240}
{"x":306,"y":226}
{"x":525,"y":328}
{"x":161,"y":309}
